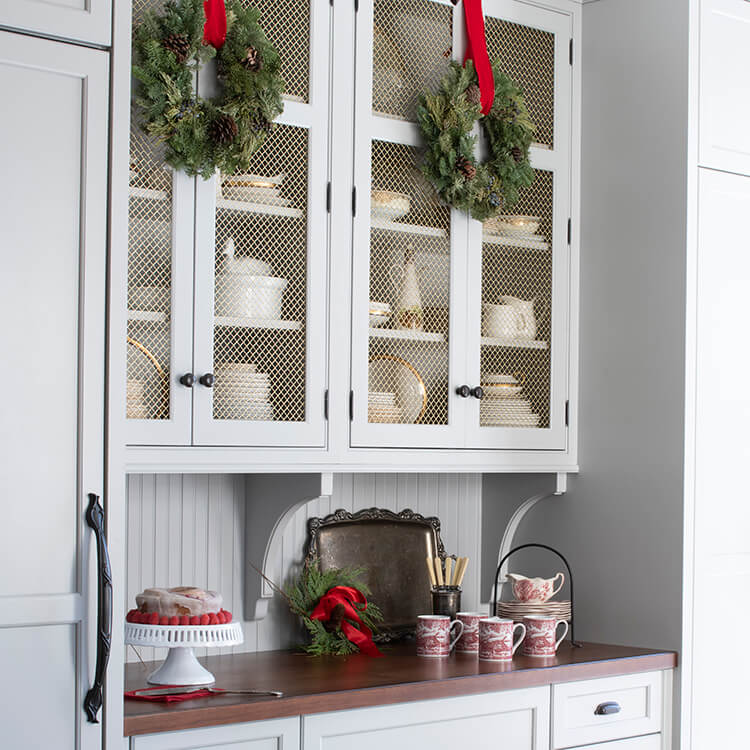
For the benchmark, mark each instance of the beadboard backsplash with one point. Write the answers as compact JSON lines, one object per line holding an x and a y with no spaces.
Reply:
{"x":191,"y":529}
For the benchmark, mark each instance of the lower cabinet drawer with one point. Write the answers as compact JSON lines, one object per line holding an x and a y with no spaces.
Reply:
{"x":649,"y":742}
{"x":274,"y":734}
{"x":610,"y":708}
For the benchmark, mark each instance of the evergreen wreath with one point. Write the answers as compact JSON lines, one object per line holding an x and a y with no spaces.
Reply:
{"x":447,"y":119}
{"x":202,"y":135}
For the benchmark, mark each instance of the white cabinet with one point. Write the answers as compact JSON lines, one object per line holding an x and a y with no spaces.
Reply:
{"x":721,"y":558}
{"x":405,"y":373}
{"x":53,"y":242}
{"x":200,"y":370}
{"x":513,"y":720}
{"x":606,"y":709}
{"x":76,"y":20}
{"x":647,"y":742}
{"x":725,"y":85}
{"x":276,"y":734}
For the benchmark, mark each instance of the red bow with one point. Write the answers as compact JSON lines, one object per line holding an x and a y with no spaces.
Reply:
{"x":347,"y":596}
{"x":476,"y":50}
{"x":215,"y":28}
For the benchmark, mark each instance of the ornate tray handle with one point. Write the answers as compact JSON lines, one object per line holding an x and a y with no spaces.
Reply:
{"x":95,"y":519}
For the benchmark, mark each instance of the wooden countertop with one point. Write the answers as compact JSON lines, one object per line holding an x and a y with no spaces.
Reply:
{"x":318,"y":684}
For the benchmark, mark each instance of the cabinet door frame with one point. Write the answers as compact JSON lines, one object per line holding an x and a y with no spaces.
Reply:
{"x":90,"y":22}
{"x":558,"y":161}
{"x":77,"y":608}
{"x":370,"y":127}
{"x":312,"y":116}
{"x":316,"y":728}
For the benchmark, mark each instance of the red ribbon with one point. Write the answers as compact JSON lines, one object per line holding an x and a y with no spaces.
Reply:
{"x":347,"y":597}
{"x":215,"y":28}
{"x":476,"y":50}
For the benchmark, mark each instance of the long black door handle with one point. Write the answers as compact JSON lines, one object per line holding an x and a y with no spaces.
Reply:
{"x":95,"y":519}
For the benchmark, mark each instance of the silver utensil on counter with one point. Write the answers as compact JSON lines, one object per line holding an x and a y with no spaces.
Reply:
{"x":185,"y":689}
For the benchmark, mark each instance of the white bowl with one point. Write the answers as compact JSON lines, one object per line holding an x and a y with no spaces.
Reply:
{"x":523,"y":226}
{"x":248,"y":296}
{"x":386,"y":204}
{"x":379,"y":319}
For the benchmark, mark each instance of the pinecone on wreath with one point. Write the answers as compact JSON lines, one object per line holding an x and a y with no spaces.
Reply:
{"x":474,"y":95}
{"x":466,"y":168}
{"x":252,"y":60}
{"x":223,"y":129}
{"x":178,"y":45}
{"x":517,"y":153}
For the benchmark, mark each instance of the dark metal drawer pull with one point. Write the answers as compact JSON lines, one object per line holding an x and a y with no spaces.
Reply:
{"x":608,"y":708}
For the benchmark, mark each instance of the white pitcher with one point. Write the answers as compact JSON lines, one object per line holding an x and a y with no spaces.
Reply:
{"x":525,"y":322}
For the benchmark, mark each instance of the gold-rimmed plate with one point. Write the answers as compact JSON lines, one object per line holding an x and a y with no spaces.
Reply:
{"x":388,"y":373}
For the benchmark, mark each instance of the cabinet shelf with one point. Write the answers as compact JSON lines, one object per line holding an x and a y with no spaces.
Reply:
{"x":510,"y":343}
{"x":396,"y":226}
{"x":148,"y":193}
{"x":406,"y":335}
{"x":238,"y":322}
{"x":259,"y":208}
{"x":147,"y":316}
{"x":506,"y":241}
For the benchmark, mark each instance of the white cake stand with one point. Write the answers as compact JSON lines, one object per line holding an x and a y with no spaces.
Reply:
{"x":181,"y":667}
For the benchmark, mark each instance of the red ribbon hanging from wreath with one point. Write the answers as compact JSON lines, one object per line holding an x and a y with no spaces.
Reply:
{"x":346,"y":596}
{"x":215,"y":28}
{"x":476,"y":50}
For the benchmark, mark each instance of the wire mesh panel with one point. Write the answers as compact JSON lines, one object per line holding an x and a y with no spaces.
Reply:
{"x":527,"y":55}
{"x":260,"y":298}
{"x":412,"y":44}
{"x":516,"y":321}
{"x":149,"y":280}
{"x":286,"y":23}
{"x":409,"y":292}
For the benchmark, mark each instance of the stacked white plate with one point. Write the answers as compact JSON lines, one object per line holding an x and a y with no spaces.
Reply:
{"x":241,"y":392}
{"x":382,"y":407}
{"x":253,"y":188}
{"x":135,"y":407}
{"x":518,"y":610}
{"x":502,"y":405}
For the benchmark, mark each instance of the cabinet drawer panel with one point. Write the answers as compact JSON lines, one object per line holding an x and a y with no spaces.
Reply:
{"x":649,"y":742}
{"x":579,"y":709}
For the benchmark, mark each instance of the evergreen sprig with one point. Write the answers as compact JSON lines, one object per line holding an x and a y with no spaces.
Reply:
{"x":172,"y":112}
{"x":305,"y":593}
{"x":447,"y":118}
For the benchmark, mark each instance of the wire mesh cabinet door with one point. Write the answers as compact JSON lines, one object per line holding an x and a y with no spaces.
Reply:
{"x":408,"y":312}
{"x":160,"y":283}
{"x":261,"y":261}
{"x":519,"y":263}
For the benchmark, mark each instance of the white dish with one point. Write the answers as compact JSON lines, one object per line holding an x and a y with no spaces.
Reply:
{"x":501,"y":392}
{"x":250,"y":296}
{"x":513,"y":226}
{"x":236,"y":366}
{"x":493,"y":378}
{"x":379,"y":307}
{"x":378,"y":320}
{"x":387,"y":204}
{"x":254,"y":195}
{"x":253,"y":180}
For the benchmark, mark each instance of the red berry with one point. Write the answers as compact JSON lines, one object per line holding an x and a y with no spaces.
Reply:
{"x":174,"y":620}
{"x":184,"y":619}
{"x":129,"y":616}
{"x":153,"y":618}
{"x":163,"y":620}
{"x":228,"y":615}
{"x":222,"y":617}
{"x":140,"y":617}
{"x":195,"y":620}
{"x":213,"y":619}
{"x":204,"y":619}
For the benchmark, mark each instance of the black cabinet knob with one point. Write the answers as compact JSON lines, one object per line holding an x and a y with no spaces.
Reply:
{"x":464,"y":391}
{"x":207,"y":380}
{"x":188,"y":380}
{"x":477,"y":392}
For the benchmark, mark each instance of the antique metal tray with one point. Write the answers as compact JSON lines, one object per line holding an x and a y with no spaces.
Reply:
{"x":392,"y":547}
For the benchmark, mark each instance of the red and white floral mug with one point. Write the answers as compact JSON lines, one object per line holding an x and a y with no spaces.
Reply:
{"x":434,"y":635}
{"x":468,"y":643}
{"x":540,"y":635}
{"x":496,"y":638}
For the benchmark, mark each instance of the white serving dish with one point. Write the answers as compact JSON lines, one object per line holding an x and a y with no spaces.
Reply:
{"x":387,"y":204}
{"x":249,"y":296}
{"x":513,"y":226}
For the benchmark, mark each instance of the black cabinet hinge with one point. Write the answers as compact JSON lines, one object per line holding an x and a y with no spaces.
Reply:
{"x":325,"y":405}
{"x":354,"y":201}
{"x":571,"y":51}
{"x":351,"y":406}
{"x":356,"y":6}
{"x":328,"y":197}
{"x":570,"y":230}
{"x":567,"y":413}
